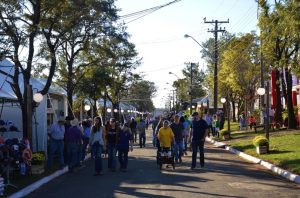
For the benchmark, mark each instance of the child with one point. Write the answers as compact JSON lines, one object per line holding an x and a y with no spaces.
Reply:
{"x":125,"y":137}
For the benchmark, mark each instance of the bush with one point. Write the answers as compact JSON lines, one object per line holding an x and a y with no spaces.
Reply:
{"x":260,"y":141}
{"x":38,"y":158}
{"x":224,"y":132}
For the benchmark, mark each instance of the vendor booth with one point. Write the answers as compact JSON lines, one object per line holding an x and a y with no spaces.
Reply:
{"x":53,"y":105}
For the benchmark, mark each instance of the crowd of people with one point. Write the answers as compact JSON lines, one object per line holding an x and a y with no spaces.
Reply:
{"x":72,"y":139}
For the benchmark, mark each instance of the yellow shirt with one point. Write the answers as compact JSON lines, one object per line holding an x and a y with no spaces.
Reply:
{"x":165,"y":137}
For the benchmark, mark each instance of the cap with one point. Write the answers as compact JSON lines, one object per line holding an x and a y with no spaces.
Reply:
{"x":75,"y":122}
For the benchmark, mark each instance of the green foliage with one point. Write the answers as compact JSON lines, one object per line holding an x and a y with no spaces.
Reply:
{"x":260,"y":141}
{"x":285,"y":113}
{"x":38,"y":158}
{"x":139,"y":94}
{"x":224,"y":132}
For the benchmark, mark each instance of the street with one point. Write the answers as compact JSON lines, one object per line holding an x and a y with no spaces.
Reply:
{"x":224,"y":175}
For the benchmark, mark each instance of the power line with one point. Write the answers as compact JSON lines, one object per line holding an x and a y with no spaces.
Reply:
{"x":143,"y":13}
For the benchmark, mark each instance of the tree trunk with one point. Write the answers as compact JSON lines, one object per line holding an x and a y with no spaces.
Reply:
{"x":233,"y":111}
{"x":104,"y":108}
{"x":278,"y":112}
{"x":70,"y":100}
{"x":291,"y":115}
{"x":95,"y":108}
{"x":283,"y":85}
{"x":116,"y":114}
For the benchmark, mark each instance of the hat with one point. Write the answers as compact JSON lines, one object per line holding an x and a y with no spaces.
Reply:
{"x":195,"y":114}
{"x":75,"y":122}
{"x":61,"y":119}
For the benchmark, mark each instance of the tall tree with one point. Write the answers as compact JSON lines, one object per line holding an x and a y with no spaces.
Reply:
{"x":140,"y":94}
{"x":281,"y":37}
{"x":91,"y":20}
{"x":21,"y":25}
{"x":239,"y":71}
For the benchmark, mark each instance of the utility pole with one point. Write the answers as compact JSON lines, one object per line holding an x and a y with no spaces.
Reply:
{"x":174,"y":101}
{"x":216,"y":31}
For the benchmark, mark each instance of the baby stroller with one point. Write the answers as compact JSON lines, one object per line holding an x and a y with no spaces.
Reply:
{"x":165,"y":156}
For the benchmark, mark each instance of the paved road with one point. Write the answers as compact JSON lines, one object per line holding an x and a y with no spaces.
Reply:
{"x":225,"y":175}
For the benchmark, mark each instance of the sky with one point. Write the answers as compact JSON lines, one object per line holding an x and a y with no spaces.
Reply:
{"x":159,"y":36}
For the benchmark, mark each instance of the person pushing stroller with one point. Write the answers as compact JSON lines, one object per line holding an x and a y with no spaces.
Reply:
{"x":166,"y":138}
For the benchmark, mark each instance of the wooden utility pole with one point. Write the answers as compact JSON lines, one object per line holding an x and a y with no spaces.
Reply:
{"x":216,"y":31}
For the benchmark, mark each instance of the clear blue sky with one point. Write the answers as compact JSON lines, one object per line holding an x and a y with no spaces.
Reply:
{"x":159,"y":37}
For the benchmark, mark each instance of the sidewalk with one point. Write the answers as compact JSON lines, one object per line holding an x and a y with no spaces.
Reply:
{"x":275,"y":169}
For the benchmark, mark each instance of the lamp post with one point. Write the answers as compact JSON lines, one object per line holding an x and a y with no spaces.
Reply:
{"x":37,"y":98}
{"x":262,"y":91}
{"x":215,"y":76}
{"x":223,"y":100}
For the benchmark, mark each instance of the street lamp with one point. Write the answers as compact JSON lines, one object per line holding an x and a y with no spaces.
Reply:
{"x":215,"y":74}
{"x":262,"y":91}
{"x":87,"y":107}
{"x":38,"y":97}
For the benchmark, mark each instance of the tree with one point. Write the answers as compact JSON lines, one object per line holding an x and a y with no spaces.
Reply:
{"x":140,"y":94}
{"x":280,"y":36}
{"x":239,"y":71}
{"x":90,"y":21}
{"x":21,"y":26}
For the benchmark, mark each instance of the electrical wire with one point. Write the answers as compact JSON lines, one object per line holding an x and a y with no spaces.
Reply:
{"x":143,"y":13}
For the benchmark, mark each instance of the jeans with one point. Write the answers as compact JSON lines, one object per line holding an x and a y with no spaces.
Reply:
{"x":142,"y":137}
{"x":178,"y":148}
{"x":56,"y":145}
{"x":185,"y":148}
{"x":198,"y":145}
{"x":84,"y":146}
{"x":123,"y":158}
{"x":97,"y":150}
{"x":112,"y":150}
{"x":72,"y":152}
{"x":134,"y":134}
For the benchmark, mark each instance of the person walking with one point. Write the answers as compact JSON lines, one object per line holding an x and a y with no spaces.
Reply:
{"x":141,"y":128}
{"x":133,"y":124}
{"x":209,"y":120}
{"x":56,"y":135}
{"x":85,"y":138}
{"x":123,"y":146}
{"x":198,"y":134}
{"x":186,"y":130}
{"x":112,"y":135}
{"x":178,"y":130}
{"x":165,"y":136}
{"x":154,"y":124}
{"x":97,"y":143}
{"x":73,"y":138}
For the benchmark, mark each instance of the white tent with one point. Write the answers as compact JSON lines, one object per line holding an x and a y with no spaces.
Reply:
{"x":12,"y":111}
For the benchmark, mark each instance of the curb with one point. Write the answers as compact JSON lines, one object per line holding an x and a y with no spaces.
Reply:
{"x":34,"y":186}
{"x":275,"y":169}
